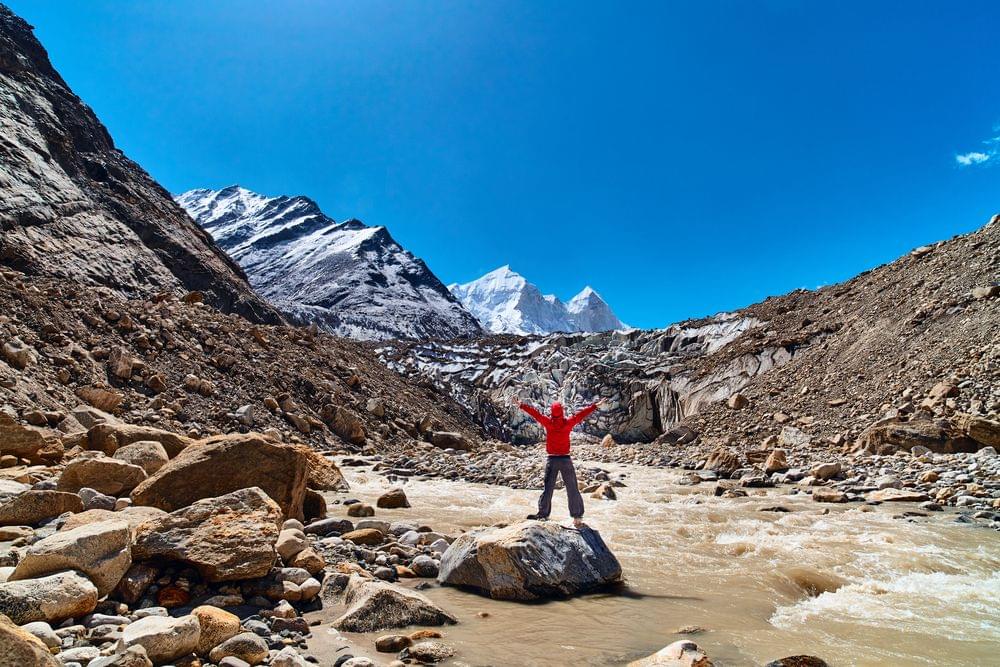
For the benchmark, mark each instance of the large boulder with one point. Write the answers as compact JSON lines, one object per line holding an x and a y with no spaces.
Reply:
{"x":38,"y":445}
{"x":147,"y":454}
{"x":223,"y":464}
{"x":109,"y":437}
{"x":450,"y":440}
{"x":33,"y":507}
{"x":529,"y":560}
{"x":889,"y":435}
{"x":19,"y":648}
{"x":101,"y":473}
{"x":377,"y":605}
{"x":324,"y":475}
{"x":164,"y":638}
{"x":98,"y":550}
{"x":344,"y":422}
{"x":227,"y":538}
{"x":984,"y":431}
{"x":723,"y":461}
{"x":52,"y":599}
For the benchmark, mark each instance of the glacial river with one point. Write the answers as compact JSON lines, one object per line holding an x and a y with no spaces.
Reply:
{"x":850,"y":584}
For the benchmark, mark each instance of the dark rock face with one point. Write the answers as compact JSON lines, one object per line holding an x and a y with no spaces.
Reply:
{"x":530,"y":560}
{"x":73,"y":206}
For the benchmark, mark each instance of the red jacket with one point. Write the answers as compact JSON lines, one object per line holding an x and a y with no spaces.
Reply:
{"x":557,"y":427}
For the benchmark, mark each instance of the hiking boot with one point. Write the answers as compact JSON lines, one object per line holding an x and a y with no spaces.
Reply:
{"x":578,"y":523}
{"x":537,"y":517}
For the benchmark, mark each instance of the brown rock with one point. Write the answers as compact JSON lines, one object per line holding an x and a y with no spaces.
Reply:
{"x":19,"y":648}
{"x":824,"y":495}
{"x":737,"y":402}
{"x":248,"y":460}
{"x":217,"y":625}
{"x":102,"y":473}
{"x":98,"y":550}
{"x":897,"y":495}
{"x":888,"y":436}
{"x":450,"y":440}
{"x":776,"y":462}
{"x":133,"y":516}
{"x":108,"y":438}
{"x":344,"y":423}
{"x":32,"y":507}
{"x":313,"y":506}
{"x":309,"y":560}
{"x":27,"y":442}
{"x":227,"y":538}
{"x":984,"y":431}
{"x":366,"y":536}
{"x":392,"y":643}
{"x":723,"y":461}
{"x":393,"y":499}
{"x":149,"y":455}
{"x":360,"y":510}
{"x":324,"y":475}
{"x":120,"y":363}
{"x":101,"y":398}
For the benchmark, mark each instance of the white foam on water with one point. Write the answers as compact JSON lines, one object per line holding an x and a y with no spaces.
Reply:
{"x":968,"y":605}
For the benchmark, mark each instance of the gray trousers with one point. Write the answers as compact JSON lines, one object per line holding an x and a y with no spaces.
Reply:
{"x":561,"y":465}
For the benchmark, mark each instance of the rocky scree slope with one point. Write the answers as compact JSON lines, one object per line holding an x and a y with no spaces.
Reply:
{"x":830,"y":361}
{"x":351,"y":279}
{"x":505,"y":302}
{"x":73,"y":206}
{"x":182,"y":366}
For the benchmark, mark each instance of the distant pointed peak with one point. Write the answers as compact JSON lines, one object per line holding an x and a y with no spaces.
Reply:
{"x":587,"y":292}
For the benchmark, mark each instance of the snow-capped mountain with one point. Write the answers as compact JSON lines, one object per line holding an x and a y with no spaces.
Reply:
{"x":349,"y":278}
{"x":504,"y":302}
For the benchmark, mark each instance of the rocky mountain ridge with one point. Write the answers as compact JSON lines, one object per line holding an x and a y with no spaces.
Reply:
{"x":505,"y":302}
{"x":831,"y":361}
{"x":75,"y":207}
{"x":351,"y":279}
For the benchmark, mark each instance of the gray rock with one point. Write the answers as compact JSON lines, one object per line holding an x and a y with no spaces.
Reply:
{"x":99,"y":550}
{"x":376,"y":605}
{"x":95,"y":500}
{"x":32,"y":507}
{"x":164,"y":638}
{"x":53,"y":599}
{"x":530,"y":560}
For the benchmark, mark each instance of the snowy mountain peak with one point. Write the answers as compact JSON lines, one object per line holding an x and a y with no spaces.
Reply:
{"x":351,"y":279}
{"x":505,"y":302}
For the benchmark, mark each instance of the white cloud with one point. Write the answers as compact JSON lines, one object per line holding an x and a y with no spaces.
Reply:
{"x":975,"y":157}
{"x":989,"y":154}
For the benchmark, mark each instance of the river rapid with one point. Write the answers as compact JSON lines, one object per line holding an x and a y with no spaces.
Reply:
{"x":852,"y":584}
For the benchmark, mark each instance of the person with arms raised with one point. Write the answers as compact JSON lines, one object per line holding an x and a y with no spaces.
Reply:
{"x":557,"y":431}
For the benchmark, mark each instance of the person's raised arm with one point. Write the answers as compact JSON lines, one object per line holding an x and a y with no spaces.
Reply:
{"x":535,"y":414}
{"x":583,"y":414}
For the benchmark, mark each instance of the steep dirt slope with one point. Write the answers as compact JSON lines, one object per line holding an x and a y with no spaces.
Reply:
{"x":190,"y":369}
{"x":73,"y":206}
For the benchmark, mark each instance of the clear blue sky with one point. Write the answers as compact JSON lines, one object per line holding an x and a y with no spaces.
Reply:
{"x":683,"y":158}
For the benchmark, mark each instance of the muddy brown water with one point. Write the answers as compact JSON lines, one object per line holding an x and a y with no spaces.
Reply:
{"x":850,"y":584}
